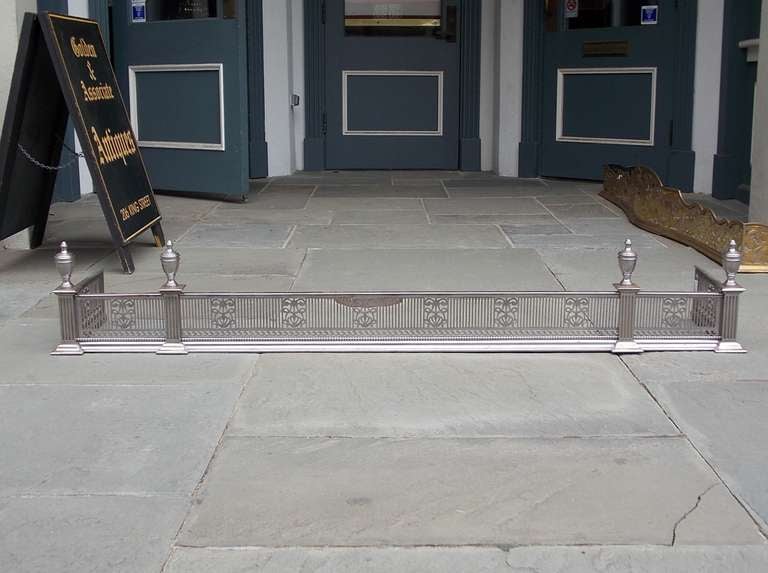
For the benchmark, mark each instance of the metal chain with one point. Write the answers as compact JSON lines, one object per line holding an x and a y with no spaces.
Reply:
{"x":37,"y":163}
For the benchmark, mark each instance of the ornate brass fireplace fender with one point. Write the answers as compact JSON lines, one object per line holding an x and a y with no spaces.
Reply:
{"x":662,"y":210}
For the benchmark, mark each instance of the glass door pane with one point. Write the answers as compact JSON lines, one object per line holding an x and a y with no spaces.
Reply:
{"x":158,"y":10}
{"x":407,"y":17}
{"x":591,"y":14}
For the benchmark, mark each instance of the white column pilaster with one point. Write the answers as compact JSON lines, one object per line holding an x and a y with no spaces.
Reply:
{"x":510,"y":84}
{"x":278,"y":86}
{"x":758,"y":197}
{"x":706,"y":91}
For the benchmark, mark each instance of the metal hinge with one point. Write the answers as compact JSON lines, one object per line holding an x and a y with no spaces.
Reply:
{"x":322,"y":13}
{"x":325,"y":123}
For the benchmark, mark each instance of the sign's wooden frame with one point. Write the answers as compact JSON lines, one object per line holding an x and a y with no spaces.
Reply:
{"x":42,"y":86}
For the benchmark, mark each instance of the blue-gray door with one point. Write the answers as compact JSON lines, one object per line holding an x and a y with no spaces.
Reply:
{"x":182,"y":67}
{"x":608,"y":86}
{"x":392,"y":85}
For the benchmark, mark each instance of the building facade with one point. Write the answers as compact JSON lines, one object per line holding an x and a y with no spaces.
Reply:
{"x":223,"y":91}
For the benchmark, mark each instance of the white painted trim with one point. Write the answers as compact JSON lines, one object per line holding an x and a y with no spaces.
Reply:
{"x":510,"y":85}
{"x":80,"y":8}
{"x":424,"y":73}
{"x":758,"y":196}
{"x":489,"y":78}
{"x":150,"y":68}
{"x":297,"y":77}
{"x":562,"y":72}
{"x":279,"y":124}
{"x":706,"y":91}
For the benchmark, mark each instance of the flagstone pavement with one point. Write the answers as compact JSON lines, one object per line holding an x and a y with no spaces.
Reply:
{"x":521,"y":463}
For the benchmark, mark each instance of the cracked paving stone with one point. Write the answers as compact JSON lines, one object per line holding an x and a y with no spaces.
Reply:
{"x":714,"y":507}
{"x":284,"y":492}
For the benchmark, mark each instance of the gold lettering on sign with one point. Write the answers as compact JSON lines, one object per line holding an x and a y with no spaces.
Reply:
{"x":135,"y":208}
{"x":97,"y":93}
{"x":112,"y":147}
{"x":82,"y":49}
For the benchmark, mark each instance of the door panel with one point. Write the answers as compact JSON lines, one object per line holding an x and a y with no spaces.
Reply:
{"x":183,"y":74}
{"x":392,"y":85}
{"x":607,"y":88}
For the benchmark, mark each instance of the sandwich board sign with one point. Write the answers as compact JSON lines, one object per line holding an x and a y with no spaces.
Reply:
{"x":63,"y":70}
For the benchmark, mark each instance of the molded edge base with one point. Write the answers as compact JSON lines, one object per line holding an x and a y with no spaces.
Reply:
{"x":68,"y":349}
{"x":730,"y":347}
{"x":627,"y":347}
{"x":172,"y":348}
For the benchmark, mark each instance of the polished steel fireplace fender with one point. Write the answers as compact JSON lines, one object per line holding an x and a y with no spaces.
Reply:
{"x":622,"y":320}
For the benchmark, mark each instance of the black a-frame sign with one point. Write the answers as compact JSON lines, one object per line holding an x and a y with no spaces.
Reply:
{"x":63,"y":70}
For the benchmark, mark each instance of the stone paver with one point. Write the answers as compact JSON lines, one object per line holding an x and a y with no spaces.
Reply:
{"x":721,"y":419}
{"x":637,"y":559}
{"x":399,"y":217}
{"x":545,"y":229}
{"x":250,"y":235}
{"x":614,"y":559}
{"x":484,"y":206}
{"x":93,"y":232}
{"x":270,"y":198}
{"x":26,"y":360}
{"x":399,"y":236}
{"x":19,"y":266}
{"x":445,"y":395}
{"x":217,"y":260}
{"x":271,"y":216}
{"x":486,"y":182}
{"x":109,"y":439}
{"x":506,"y":191}
{"x":340,"y":560}
{"x":364,"y":203}
{"x":16,"y":299}
{"x":495,"y":219}
{"x":555,"y":199}
{"x":335,"y":463}
{"x":360,"y":492}
{"x":582,"y":243}
{"x":657,"y":268}
{"x":424,"y":189}
{"x":581,"y":210}
{"x":87,"y":534}
{"x":424,"y":269}
{"x":695,"y":528}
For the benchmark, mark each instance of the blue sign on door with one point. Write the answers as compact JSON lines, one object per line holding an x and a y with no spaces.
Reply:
{"x":139,"y":12}
{"x":649,"y":14}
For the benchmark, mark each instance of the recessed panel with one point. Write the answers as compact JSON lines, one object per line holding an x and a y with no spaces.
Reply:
{"x":612,"y":106}
{"x":393,"y":103}
{"x":177,"y":108}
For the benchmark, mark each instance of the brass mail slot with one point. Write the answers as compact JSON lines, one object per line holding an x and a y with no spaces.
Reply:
{"x":393,"y":22}
{"x":619,"y":48}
